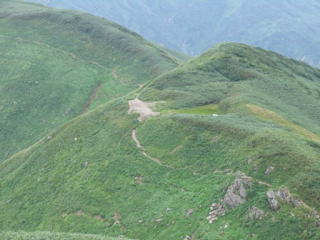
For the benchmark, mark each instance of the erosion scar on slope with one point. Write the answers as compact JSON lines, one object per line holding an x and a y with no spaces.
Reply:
{"x":142,"y":108}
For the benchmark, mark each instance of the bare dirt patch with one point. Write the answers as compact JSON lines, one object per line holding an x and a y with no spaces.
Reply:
{"x":144,"y":109}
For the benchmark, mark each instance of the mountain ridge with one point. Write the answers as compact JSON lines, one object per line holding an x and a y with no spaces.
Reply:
{"x":48,"y":78}
{"x":113,"y":137}
{"x":101,"y":180}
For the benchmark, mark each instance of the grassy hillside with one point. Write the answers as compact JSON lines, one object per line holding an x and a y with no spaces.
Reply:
{"x":55,"y":65}
{"x":288,"y":27}
{"x":241,"y":75}
{"x":237,"y":122}
{"x":51,"y":236}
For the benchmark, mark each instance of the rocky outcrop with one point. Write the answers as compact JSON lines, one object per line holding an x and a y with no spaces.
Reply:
{"x":255,"y":213}
{"x":272,"y":200}
{"x":216,"y":210}
{"x":236,"y":194}
{"x":275,"y":197}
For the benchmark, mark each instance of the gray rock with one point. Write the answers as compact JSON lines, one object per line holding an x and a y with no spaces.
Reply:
{"x":269,"y":170}
{"x":283,"y":195}
{"x":232,"y":200}
{"x":242,"y":191}
{"x":316,"y":215}
{"x":190,"y":237}
{"x":189,"y":212}
{"x":273,"y":202}
{"x":296,"y":202}
{"x":255,"y":213}
{"x":216,"y":210}
{"x":236,"y":193}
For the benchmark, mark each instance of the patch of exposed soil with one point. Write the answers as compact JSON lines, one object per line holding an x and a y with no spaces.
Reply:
{"x":144,"y":109}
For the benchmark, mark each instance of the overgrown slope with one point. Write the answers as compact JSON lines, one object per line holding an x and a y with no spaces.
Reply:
{"x":51,"y":236}
{"x":55,"y":65}
{"x":286,"y":26}
{"x":234,"y":124}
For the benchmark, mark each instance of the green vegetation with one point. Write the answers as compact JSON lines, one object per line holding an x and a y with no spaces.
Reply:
{"x":88,"y":167}
{"x":193,"y":26}
{"x":234,"y":109}
{"x":57,"y":64}
{"x":233,"y":75}
{"x":51,"y":236}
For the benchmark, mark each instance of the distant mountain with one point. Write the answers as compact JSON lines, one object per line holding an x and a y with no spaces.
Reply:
{"x":225,"y":146}
{"x":288,"y":27}
{"x":57,"y":64}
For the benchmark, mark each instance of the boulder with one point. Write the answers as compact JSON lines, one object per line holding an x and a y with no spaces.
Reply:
{"x":237,"y":192}
{"x":282,"y":195}
{"x":232,"y":200}
{"x":273,"y":202}
{"x":235,"y":195}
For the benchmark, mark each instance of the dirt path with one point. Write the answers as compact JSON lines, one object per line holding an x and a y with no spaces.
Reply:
{"x":136,"y":140}
{"x":145,"y":111}
{"x":121,"y":79}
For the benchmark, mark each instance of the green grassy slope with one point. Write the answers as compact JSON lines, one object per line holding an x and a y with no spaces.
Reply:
{"x":55,"y":65}
{"x":236,"y":74}
{"x":233,"y":110}
{"x":238,"y":80}
{"x":286,"y":26}
{"x":51,"y":236}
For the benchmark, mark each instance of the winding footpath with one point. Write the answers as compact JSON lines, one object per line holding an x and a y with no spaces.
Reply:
{"x":145,"y":111}
{"x":156,"y":160}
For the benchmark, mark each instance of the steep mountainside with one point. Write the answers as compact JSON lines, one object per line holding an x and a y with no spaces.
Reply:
{"x":55,"y":65}
{"x":286,"y":26}
{"x":226,"y":146}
